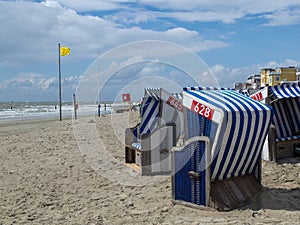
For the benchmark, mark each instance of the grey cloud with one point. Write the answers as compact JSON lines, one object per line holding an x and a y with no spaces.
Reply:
{"x":37,"y":87}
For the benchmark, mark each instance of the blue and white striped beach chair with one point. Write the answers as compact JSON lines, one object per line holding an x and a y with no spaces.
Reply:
{"x":284,"y":134}
{"x":218,"y":165}
{"x":148,"y":144}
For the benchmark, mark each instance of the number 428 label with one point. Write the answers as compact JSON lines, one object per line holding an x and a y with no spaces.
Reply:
{"x":202,"y":110}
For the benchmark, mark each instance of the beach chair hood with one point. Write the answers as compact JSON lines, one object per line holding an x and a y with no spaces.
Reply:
{"x":235,"y":124}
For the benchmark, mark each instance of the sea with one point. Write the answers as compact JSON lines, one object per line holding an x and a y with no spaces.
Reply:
{"x":14,"y":111}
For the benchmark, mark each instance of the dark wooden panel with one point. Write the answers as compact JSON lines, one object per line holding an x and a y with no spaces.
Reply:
{"x":234,"y":192}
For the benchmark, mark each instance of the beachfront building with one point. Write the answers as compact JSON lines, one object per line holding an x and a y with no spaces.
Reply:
{"x":298,"y":74}
{"x":254,"y":80}
{"x":251,"y":86}
{"x":242,"y":87}
{"x":271,"y":77}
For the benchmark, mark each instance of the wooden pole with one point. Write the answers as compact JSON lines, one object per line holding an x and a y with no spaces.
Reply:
{"x":99,"y":104}
{"x":75,"y":106}
{"x":59,"y":84}
{"x":99,"y":110}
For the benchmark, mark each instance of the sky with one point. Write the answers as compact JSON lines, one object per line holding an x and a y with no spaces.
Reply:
{"x":232,"y":38}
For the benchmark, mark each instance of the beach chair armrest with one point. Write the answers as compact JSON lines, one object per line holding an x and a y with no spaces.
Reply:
{"x":129,"y":137}
{"x":191,"y":140}
{"x":158,"y":137}
{"x":132,"y":134}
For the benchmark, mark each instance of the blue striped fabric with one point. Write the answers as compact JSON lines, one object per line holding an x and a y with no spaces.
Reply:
{"x":292,"y":108}
{"x":153,"y":107}
{"x":153,"y":92}
{"x":149,"y":111}
{"x":280,"y":120}
{"x":286,"y":103}
{"x":177,"y":95}
{"x":156,"y":112}
{"x":288,"y":138}
{"x":204,"y":88}
{"x":242,"y":131}
{"x":245,"y":92}
{"x":286,"y":90}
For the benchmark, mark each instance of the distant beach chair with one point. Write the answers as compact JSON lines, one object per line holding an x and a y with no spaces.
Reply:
{"x":284,"y":136}
{"x":219,"y":164}
{"x":148,"y":144}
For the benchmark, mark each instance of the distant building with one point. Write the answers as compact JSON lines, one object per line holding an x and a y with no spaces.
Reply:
{"x":298,"y":74}
{"x":268,"y":77}
{"x":271,"y":77}
{"x":242,"y":87}
{"x":252,"y":85}
{"x":254,"y":80}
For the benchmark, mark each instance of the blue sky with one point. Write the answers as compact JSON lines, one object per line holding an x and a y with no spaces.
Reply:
{"x":234,"y":38}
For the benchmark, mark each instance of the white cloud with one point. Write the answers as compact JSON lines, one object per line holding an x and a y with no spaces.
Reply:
{"x":93,"y":5}
{"x":36,"y":87}
{"x":30,"y":33}
{"x":283,"y":17}
{"x":195,"y":11}
{"x":52,"y":4}
{"x":226,"y":11}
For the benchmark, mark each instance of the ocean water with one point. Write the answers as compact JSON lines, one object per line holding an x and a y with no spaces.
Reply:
{"x":12,"y":111}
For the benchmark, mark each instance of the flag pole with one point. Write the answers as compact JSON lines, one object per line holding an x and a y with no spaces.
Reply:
{"x":99,"y":104}
{"x":59,"y":83}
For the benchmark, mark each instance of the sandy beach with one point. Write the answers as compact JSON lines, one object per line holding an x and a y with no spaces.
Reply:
{"x":72,"y":172}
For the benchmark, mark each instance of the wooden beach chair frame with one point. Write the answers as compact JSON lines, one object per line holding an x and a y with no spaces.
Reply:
{"x":150,"y":153}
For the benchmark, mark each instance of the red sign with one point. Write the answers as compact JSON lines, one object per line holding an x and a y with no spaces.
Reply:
{"x":257,"y":96}
{"x":174,"y":102}
{"x":126,"y":97}
{"x":202,"y":110}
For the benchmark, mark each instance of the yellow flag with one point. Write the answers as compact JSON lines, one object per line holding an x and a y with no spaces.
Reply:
{"x":64,"y":51}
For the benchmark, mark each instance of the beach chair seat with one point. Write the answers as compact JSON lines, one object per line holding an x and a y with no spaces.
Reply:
{"x":282,"y":147}
{"x":151,"y":155}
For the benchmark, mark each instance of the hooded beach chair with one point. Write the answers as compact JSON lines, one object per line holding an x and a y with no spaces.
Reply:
{"x":148,"y":144}
{"x":219,"y":164}
{"x":284,"y":135}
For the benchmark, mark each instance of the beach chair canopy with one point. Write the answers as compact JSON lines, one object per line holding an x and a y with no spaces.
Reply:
{"x":149,"y":110}
{"x":285,"y":99}
{"x":284,"y":91}
{"x":235,"y":124}
{"x":159,"y":108}
{"x":277,"y":92}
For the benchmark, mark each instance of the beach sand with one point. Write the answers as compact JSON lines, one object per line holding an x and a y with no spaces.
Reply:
{"x":54,"y":172}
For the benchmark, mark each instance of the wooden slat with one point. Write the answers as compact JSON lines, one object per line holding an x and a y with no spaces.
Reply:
{"x":233,"y":193}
